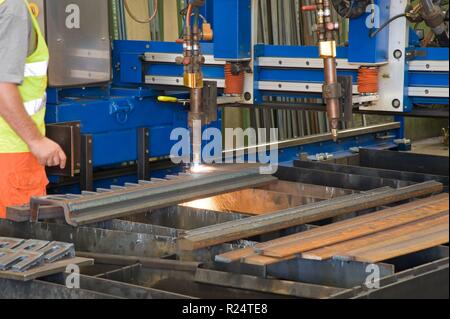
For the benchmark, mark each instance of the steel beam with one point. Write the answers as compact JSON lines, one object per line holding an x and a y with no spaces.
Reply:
{"x":81,"y":210}
{"x":143,"y":153}
{"x":87,"y":164}
{"x":144,"y":261}
{"x":334,"y":273}
{"x":122,"y":241}
{"x":319,"y":138}
{"x":425,"y":281}
{"x":337,"y":179}
{"x":213,"y":235}
{"x":418,"y":163}
{"x":12,"y":289}
{"x":372,"y":172}
{"x":116,"y":288}
{"x":273,"y":286}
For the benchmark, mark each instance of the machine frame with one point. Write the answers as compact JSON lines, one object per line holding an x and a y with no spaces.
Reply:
{"x":123,"y":126}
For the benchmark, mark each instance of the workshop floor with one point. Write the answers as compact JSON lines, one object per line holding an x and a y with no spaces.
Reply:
{"x":431,"y":146}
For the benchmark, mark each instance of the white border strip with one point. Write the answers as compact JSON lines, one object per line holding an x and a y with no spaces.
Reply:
{"x":429,"y":66}
{"x":428,"y":92}
{"x":303,"y":63}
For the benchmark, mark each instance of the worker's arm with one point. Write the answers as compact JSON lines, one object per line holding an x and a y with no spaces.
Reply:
{"x":13,"y":112}
{"x":15,"y":36}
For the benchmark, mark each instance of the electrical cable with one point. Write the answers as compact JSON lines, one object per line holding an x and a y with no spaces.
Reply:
{"x":188,"y":16}
{"x":372,"y":33}
{"x":350,"y":9}
{"x":131,"y":14}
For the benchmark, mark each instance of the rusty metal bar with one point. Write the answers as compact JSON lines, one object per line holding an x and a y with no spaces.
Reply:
{"x":373,"y":172}
{"x":213,"y":235}
{"x":125,"y":201}
{"x":281,"y":287}
{"x":21,"y":214}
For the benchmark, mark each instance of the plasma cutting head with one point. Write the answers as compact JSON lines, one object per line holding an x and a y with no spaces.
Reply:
{"x":335,"y":134}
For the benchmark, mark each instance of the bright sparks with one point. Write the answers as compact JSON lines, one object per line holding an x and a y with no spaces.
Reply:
{"x":205,"y":203}
{"x":198,"y":168}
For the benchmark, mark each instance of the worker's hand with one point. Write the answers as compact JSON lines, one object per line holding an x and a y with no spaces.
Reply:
{"x":48,"y":153}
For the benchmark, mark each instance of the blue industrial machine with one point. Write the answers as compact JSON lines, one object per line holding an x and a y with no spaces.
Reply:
{"x":115,"y":130}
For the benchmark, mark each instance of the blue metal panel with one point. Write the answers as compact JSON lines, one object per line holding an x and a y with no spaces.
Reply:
{"x":299,"y":75}
{"x":430,"y":79}
{"x":362,"y":48}
{"x":440,"y":54}
{"x":232,"y":29}
{"x":401,"y":132}
{"x":290,"y":74}
{"x":129,"y":70}
{"x":164,"y":69}
{"x":414,"y":39}
{"x":429,"y":100}
{"x":207,"y":10}
{"x":114,"y":123}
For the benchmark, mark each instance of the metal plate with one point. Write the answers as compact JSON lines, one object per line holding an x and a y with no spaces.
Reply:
{"x":32,"y":245}
{"x":67,"y":135}
{"x":10,"y":243}
{"x":19,"y":260}
{"x":78,"y":39}
{"x":58,"y":250}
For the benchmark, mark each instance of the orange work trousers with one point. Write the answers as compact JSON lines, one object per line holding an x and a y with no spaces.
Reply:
{"x":21,"y":177}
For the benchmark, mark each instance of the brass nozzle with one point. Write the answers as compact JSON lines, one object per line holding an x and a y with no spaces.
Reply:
{"x":193,"y":80}
{"x":335,"y":134}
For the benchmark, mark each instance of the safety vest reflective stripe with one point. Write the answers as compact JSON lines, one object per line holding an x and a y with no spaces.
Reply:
{"x":33,"y":107}
{"x":32,"y":91}
{"x":36,"y":69}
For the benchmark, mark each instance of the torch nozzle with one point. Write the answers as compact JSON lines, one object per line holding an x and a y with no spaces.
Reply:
{"x":335,"y":134}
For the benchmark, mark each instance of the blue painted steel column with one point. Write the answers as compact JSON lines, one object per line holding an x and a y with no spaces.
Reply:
{"x":362,"y":48}
{"x":232,"y":29}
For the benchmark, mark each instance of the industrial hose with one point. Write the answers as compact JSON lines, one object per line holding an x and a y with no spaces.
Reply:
{"x":155,"y":12}
{"x":435,"y":19}
{"x":384,"y":25}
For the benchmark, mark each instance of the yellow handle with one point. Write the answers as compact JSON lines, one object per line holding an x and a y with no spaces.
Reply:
{"x":167,"y":99}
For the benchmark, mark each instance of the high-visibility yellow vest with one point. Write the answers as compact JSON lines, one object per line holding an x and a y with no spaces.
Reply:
{"x":32,"y":91}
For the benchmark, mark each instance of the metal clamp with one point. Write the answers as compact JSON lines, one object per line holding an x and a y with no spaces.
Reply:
{"x":332,"y":91}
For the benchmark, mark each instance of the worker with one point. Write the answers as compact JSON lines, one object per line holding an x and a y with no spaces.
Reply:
{"x":24,"y":149}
